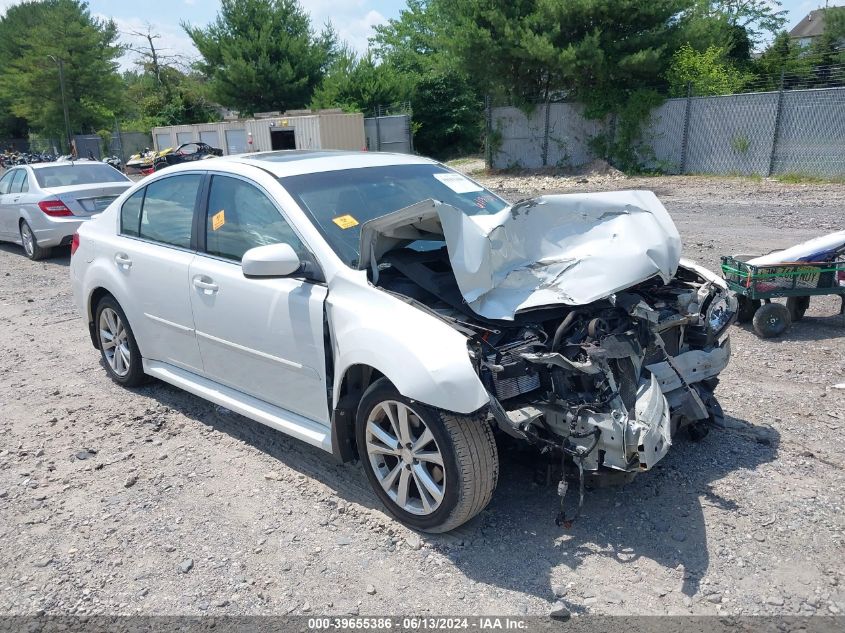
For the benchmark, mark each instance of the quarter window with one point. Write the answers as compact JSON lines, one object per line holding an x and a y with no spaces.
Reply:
{"x":130,"y":213}
{"x":25,"y":183}
{"x":167,"y":210}
{"x":241,"y":217}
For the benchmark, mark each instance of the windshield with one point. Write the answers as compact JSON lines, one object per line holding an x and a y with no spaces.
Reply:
{"x":339,"y":202}
{"x":77,"y":174}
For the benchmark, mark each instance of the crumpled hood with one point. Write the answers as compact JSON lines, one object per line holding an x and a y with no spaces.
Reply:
{"x":572,"y":249}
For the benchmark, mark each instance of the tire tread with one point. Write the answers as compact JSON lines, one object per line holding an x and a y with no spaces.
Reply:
{"x":478,"y":460}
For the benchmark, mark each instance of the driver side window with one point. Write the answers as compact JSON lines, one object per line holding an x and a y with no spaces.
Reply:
{"x":240,"y":217}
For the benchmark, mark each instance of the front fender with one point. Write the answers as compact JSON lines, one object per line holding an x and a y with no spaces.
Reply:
{"x":422,"y":356}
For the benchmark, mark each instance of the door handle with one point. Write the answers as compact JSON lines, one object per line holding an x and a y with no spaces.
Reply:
{"x":206,"y":285}
{"x":122,"y":260}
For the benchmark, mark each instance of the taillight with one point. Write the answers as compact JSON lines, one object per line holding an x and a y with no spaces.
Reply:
{"x":54,"y":208}
{"x":840,"y":276}
{"x":74,"y":244}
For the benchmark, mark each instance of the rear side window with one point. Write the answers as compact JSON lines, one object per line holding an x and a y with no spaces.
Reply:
{"x":25,"y":183}
{"x":241,"y":217}
{"x":163,"y":211}
{"x":130,"y":213}
{"x":17,"y":181}
{"x":168,"y":210}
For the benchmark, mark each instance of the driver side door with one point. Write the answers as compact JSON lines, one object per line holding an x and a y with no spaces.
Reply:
{"x":263,"y":337}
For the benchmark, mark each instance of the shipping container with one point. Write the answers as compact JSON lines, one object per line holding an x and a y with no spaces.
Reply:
{"x":331,"y":129}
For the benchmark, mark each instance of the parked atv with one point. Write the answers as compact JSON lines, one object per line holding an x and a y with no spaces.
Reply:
{"x":185,"y":153}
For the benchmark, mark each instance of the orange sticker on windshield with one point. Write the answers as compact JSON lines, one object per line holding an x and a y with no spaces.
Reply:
{"x":218,"y":220}
{"x":345,"y":221}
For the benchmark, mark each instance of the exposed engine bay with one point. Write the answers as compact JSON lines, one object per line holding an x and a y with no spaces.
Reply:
{"x":604,"y":384}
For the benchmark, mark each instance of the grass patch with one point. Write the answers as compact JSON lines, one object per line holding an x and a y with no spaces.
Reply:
{"x":464,"y":160}
{"x":807,"y":179}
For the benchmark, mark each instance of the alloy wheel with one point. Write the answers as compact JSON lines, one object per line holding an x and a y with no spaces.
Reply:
{"x":405,"y":458}
{"x":114,"y":340}
{"x":28,"y":239}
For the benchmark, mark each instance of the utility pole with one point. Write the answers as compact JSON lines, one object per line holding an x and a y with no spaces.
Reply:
{"x":61,"y":64}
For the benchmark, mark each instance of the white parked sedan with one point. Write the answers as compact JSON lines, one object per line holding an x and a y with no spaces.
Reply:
{"x":384,"y":307}
{"x":42,"y":205}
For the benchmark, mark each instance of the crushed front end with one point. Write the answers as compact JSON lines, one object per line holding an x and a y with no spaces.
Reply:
{"x":607,"y":385}
{"x":596,"y":342}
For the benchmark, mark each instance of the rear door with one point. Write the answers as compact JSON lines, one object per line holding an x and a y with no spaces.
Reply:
{"x":154,"y":253}
{"x":263,"y":337}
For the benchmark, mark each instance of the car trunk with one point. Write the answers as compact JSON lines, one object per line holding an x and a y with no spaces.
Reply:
{"x":86,"y":200}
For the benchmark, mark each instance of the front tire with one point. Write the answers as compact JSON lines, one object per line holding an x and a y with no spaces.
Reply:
{"x":117,"y":344}
{"x":432,"y":469}
{"x":30,"y":244}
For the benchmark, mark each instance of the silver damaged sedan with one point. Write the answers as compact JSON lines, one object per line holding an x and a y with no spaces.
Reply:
{"x":385,"y":308}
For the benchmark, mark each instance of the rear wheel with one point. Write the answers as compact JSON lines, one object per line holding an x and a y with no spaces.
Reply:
{"x":771,"y":320}
{"x":117,"y":344}
{"x":433,"y":470}
{"x":30,"y":243}
{"x":797,"y":306}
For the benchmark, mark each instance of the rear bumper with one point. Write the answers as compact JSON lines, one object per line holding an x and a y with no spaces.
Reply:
{"x":56,"y":231}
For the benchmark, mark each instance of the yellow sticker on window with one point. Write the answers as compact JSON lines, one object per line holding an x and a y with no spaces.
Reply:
{"x":218,"y":220}
{"x":345,"y":221}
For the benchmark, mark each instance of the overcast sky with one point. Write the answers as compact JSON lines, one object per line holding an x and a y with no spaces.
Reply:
{"x":352,"y":19}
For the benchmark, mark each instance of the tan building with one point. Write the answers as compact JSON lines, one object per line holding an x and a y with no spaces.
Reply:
{"x":299,"y":129}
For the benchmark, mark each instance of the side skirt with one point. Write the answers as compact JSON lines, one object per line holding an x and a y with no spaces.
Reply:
{"x":277,"y":418}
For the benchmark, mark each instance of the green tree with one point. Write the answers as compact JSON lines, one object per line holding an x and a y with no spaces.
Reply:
{"x":783,"y":57}
{"x":412,"y":43}
{"x":159,"y":92}
{"x":827,"y":51}
{"x":834,"y":25}
{"x":448,"y":115}
{"x":32,"y":36}
{"x":262,"y":55}
{"x":360,"y":84}
{"x":753,"y":20}
{"x":595,"y":50}
{"x":448,"y":109}
{"x":707,"y":72}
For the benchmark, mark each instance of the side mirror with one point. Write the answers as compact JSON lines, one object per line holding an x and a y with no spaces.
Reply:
{"x":273,"y":260}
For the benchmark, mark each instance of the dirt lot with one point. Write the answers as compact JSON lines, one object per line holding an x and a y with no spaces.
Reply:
{"x":153,"y":501}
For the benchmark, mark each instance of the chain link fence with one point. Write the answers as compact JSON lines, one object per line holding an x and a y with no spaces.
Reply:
{"x":763,"y":133}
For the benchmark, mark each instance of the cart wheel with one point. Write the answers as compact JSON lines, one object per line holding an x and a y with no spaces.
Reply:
{"x":747,"y":308}
{"x":797,"y":306}
{"x":771,"y":320}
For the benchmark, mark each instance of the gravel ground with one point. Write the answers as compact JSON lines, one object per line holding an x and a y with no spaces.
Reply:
{"x":153,"y":501}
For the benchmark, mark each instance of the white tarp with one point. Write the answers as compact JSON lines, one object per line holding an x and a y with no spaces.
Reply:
{"x":572,"y":249}
{"x":819,"y":249}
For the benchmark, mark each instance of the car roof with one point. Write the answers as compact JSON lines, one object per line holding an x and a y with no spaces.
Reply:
{"x":296,"y":162}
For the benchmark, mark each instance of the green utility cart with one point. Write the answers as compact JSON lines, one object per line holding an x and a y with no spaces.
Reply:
{"x":756,"y":286}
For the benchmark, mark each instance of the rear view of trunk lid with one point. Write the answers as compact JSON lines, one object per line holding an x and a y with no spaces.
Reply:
{"x":86,"y":200}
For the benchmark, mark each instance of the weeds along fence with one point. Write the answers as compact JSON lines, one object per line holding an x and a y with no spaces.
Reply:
{"x":763,"y":133}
